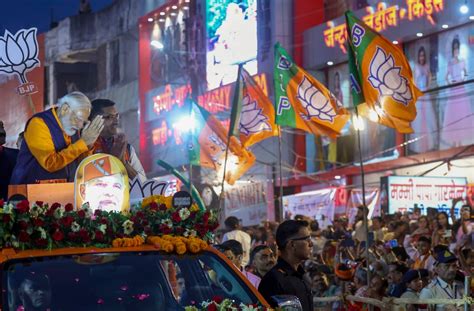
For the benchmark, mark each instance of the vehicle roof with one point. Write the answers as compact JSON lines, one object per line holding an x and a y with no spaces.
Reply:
{"x":8,"y":254}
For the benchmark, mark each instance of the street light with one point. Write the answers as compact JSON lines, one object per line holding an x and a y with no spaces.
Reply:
{"x":464,"y":8}
{"x":157,"y":44}
{"x":358,"y":123}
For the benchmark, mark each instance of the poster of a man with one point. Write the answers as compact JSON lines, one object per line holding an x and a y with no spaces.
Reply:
{"x":102,"y":182}
{"x":229,"y":24}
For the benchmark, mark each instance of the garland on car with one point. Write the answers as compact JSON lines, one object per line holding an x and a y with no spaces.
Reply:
{"x":154,"y":221}
{"x":218,"y":303}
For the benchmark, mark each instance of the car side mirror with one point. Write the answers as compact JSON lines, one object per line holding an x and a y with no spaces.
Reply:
{"x":288,"y":302}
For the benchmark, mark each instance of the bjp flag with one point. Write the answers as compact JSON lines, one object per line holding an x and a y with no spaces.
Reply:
{"x":253,"y":115}
{"x":209,"y":145}
{"x":381,"y":78}
{"x":303,"y":102}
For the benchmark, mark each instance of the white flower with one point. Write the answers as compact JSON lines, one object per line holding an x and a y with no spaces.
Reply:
{"x":251,"y":119}
{"x":19,"y":53}
{"x":313,"y":100}
{"x":167,"y":222}
{"x":75,"y":226}
{"x":102,"y":228}
{"x":189,"y":233}
{"x":87,"y":209}
{"x":386,"y":78}
{"x":59,"y":212}
{"x":184,"y":213}
{"x":7,"y":208}
{"x":244,"y":307}
{"x":127,"y":226}
{"x":42,"y":232}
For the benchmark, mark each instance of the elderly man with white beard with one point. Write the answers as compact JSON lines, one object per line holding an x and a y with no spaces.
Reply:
{"x":53,"y":147}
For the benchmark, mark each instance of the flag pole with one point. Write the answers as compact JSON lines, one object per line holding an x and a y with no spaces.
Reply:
{"x":229,"y":134}
{"x":221,"y":196}
{"x":280,"y":194}
{"x":365,"y":208}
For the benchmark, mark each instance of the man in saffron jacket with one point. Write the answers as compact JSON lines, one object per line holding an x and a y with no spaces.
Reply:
{"x":52,"y":147}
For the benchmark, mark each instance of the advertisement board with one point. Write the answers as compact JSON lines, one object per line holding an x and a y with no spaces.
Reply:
{"x":231,"y":39}
{"x":403,"y":193}
{"x":318,"y":204}
{"x":252,"y":203}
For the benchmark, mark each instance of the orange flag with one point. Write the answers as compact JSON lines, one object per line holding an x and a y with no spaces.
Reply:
{"x":381,"y":78}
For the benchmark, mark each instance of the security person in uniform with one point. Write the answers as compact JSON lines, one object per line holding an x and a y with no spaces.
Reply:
{"x":444,"y":285}
{"x":293,"y":239}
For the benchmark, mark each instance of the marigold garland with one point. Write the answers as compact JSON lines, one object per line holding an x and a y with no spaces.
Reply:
{"x":128,"y":242}
{"x":177,"y":244}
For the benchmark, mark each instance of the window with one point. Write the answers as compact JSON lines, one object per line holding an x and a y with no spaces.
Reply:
{"x":121,"y":281}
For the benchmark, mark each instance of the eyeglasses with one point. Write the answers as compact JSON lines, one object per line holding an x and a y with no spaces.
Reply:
{"x":305,"y":238}
{"x":111,"y":116}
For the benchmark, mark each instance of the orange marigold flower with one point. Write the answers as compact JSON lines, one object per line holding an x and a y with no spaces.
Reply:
{"x":117,"y":242}
{"x":180,"y":249}
{"x":193,"y":247}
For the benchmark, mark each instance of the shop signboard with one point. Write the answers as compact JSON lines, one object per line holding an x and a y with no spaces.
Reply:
{"x":250,"y":202}
{"x":403,"y":193}
{"x":318,"y":205}
{"x":396,"y":20}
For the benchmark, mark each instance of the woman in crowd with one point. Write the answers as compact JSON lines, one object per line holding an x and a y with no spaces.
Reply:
{"x":443,"y":233}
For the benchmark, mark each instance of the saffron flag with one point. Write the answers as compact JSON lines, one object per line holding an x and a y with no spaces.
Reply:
{"x":253,"y":115}
{"x":381,"y":78}
{"x":302,"y":102}
{"x":208,"y":146}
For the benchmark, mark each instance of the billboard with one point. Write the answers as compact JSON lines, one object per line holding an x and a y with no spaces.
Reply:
{"x":403,"y":193}
{"x":317,"y":204}
{"x":231,"y":39}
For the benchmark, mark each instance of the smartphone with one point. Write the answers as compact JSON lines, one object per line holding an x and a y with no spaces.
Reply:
{"x":391,"y":244}
{"x":447,"y":233}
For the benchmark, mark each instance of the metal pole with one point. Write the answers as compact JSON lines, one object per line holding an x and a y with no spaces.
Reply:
{"x":366,"y":210}
{"x":222,"y":197}
{"x":467,"y":286}
{"x":280,"y":198}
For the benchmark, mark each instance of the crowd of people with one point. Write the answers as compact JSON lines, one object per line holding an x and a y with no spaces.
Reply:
{"x":410,"y":256}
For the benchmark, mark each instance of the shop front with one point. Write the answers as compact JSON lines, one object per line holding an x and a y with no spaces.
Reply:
{"x":438,"y":41}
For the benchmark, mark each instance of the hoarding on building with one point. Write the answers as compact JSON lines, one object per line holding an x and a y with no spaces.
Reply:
{"x":403,"y":193}
{"x":231,"y":39}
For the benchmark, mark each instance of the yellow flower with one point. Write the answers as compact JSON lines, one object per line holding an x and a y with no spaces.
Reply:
{"x":194,"y":208}
{"x":180,"y":249}
{"x":193,"y":247}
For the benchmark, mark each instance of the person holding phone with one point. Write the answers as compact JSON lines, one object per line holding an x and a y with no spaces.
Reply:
{"x":463,"y":227}
{"x":443,"y":234}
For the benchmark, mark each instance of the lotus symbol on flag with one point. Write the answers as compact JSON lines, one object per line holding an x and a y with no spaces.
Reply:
{"x":386,"y":78}
{"x":19,"y":53}
{"x":316,"y":104}
{"x":252,"y":120}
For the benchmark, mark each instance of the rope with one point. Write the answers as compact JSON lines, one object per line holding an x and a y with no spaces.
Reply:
{"x":387,"y":302}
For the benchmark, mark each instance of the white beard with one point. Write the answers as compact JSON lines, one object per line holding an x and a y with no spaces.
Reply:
{"x":67,"y":126}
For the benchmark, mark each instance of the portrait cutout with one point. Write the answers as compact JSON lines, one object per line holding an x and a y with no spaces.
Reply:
{"x":102,"y":181}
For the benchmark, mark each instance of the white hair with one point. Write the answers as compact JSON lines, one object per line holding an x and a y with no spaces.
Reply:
{"x":75,"y":100}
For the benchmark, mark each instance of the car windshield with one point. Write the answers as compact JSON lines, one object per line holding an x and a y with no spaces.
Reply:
{"x":119,"y":281}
